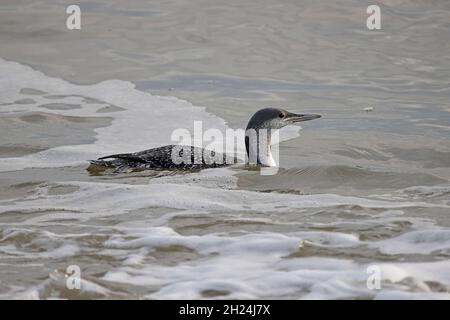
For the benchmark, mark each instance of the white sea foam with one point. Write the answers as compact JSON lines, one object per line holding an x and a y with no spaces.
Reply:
{"x":147,"y":121}
{"x":310,"y":260}
{"x":420,"y":242}
{"x":246,"y":267}
{"x":109,"y":198}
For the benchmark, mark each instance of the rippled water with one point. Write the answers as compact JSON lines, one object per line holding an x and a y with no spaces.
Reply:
{"x":356,"y":189}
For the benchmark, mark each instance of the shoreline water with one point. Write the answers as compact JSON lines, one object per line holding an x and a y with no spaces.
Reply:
{"x":355,"y":190}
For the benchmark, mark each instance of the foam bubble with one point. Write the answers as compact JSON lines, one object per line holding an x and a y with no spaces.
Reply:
{"x":419,"y":241}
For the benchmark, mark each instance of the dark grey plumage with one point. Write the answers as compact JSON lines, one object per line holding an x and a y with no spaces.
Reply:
{"x":162,"y":158}
{"x":199,"y":158}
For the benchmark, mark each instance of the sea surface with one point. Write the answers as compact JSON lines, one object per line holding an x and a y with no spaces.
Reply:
{"x":359,"y":208}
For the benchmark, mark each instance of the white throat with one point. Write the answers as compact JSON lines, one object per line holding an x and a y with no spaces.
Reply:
{"x":259,"y":148}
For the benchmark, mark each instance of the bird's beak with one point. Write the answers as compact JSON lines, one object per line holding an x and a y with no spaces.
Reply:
{"x":292,"y":117}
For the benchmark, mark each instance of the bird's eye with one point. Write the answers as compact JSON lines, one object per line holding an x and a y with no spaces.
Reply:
{"x":281,"y":115}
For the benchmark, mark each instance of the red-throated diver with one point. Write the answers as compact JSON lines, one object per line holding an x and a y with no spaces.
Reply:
{"x":257,"y":144}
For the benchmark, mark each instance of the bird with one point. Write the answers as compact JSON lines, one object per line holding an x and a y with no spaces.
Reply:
{"x":258,"y":136}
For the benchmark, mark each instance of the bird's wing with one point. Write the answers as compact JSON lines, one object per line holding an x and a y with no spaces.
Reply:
{"x":162,"y":156}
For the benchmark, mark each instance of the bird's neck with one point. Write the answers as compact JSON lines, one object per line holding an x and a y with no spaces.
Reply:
{"x":258,"y":146}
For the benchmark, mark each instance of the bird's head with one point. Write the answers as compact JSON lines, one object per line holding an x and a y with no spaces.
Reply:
{"x":258,"y":132}
{"x":275,"y":118}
